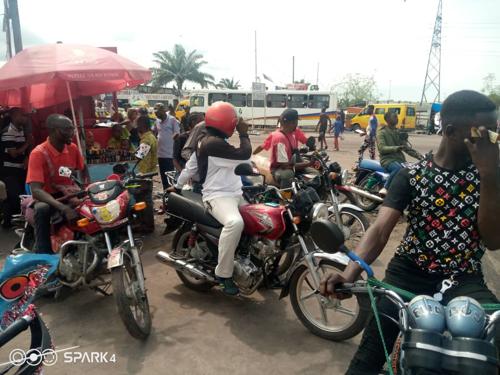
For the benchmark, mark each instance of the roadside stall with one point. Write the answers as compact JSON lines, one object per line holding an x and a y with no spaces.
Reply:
{"x":63,"y":78}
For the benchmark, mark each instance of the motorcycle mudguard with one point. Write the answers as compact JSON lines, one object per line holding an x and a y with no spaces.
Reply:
{"x":347,"y":205}
{"x":15,"y":276}
{"x":115,"y":259}
{"x":318,"y":256}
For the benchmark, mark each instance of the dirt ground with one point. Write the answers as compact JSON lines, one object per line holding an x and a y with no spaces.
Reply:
{"x":204,"y":333}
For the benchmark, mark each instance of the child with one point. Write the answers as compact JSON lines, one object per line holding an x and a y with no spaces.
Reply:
{"x":337,"y":129}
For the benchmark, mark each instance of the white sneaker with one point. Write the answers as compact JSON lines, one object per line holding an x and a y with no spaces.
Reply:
{"x":383,"y":192}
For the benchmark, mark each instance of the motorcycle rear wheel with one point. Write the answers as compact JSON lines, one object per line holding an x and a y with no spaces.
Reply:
{"x":301,"y":290}
{"x":133,"y":305}
{"x":365,"y":203}
{"x":179,"y":245}
{"x":356,"y":224}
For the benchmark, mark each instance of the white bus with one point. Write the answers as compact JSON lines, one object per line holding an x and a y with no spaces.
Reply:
{"x":265,"y":113}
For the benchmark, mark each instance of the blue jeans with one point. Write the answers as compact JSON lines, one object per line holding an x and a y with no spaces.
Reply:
{"x":393,"y":168}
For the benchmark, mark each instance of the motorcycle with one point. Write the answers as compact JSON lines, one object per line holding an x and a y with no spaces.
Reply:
{"x":370,"y":177}
{"x":20,"y":278}
{"x":433,"y":339}
{"x":329,"y":184}
{"x":273,"y":252}
{"x":99,"y":249}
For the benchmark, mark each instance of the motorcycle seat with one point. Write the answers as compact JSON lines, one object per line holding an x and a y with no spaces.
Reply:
{"x":373,"y":165}
{"x":191,"y":207}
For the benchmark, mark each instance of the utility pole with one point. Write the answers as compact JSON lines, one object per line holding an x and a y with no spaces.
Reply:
{"x":432,"y":83}
{"x":317,"y":75}
{"x":293,"y":69}
{"x":256,"y":78}
{"x":11,"y":22}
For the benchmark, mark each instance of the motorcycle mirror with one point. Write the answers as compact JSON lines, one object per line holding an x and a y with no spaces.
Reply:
{"x":142,"y":151}
{"x":311,"y":142}
{"x":120,"y":168}
{"x":65,"y":172}
{"x":327,"y":235}
{"x":245,"y":169}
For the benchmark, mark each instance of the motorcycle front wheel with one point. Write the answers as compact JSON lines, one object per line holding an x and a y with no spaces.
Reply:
{"x":328,"y":318}
{"x":132,"y":302}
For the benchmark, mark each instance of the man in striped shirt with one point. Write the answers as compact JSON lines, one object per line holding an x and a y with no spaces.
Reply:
{"x":13,"y":148}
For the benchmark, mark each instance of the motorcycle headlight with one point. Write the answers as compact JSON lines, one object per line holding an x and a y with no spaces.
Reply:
{"x":319,"y":211}
{"x":108,"y":213}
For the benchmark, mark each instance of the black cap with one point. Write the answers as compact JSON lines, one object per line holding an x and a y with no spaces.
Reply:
{"x":289,"y":115}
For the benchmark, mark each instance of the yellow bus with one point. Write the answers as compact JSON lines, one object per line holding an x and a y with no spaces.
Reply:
{"x":406,"y":115}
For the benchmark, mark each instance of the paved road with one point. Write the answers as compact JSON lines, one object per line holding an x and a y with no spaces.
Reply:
{"x":205,"y":333}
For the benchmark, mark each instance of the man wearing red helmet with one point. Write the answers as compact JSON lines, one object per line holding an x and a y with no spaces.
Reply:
{"x":214,"y":161}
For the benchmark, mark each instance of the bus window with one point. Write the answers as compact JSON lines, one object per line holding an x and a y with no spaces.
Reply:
{"x":410,"y":111}
{"x":297,"y":101}
{"x":319,"y":101}
{"x":197,"y":101}
{"x":216,"y":97}
{"x":396,"y":110}
{"x":256,"y":103}
{"x":276,"y":101}
{"x":238,"y":100}
{"x":379,"y":111}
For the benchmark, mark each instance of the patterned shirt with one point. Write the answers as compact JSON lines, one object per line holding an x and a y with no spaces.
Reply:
{"x":150,"y":163}
{"x":442,"y":234}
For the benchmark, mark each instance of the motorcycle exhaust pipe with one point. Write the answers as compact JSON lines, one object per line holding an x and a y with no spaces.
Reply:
{"x":182,"y":265}
{"x":365,"y":194}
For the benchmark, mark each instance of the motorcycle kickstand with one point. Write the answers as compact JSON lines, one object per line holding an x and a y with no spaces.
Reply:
{"x":103,"y":290}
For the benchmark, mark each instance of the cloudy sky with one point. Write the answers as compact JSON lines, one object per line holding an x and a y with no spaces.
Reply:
{"x":388,"y":39}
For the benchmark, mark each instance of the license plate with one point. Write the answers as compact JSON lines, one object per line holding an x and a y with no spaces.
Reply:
{"x":104,"y":214}
{"x":115,"y":259}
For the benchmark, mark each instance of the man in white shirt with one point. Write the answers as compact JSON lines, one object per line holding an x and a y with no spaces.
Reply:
{"x":167,"y":127}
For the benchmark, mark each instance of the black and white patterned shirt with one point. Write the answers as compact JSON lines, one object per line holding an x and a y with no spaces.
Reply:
{"x":442,"y":234}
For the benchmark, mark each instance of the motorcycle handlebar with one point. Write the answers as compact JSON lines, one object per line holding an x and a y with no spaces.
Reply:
{"x":145,"y":175}
{"x":15,"y":329}
{"x":79,"y":194}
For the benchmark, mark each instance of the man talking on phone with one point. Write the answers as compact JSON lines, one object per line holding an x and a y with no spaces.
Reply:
{"x":453,"y":208}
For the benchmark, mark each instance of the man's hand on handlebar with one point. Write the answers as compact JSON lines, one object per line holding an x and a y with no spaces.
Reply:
{"x":69,"y":213}
{"x":330,"y":282}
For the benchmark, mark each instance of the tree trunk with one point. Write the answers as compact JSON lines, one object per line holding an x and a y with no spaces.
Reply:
{"x":179,"y":82}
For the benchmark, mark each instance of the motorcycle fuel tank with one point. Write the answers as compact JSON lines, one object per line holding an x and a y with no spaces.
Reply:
{"x":264,"y":219}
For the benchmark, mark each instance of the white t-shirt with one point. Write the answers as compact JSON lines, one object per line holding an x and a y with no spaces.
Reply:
{"x":166,"y":130}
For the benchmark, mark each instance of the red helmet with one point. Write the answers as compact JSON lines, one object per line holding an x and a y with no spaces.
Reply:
{"x":222,"y":116}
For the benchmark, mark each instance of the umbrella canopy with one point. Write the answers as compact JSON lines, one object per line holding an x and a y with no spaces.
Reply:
{"x":41,"y":76}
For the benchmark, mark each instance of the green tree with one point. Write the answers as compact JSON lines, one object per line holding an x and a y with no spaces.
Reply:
{"x":228,"y":83}
{"x":179,"y":66}
{"x":356,"y":89}
{"x":491,"y":88}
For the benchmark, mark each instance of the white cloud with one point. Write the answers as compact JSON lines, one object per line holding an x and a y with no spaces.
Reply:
{"x":387,"y":38}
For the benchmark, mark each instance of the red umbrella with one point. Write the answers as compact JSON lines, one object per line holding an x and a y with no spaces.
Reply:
{"x":46,"y":75}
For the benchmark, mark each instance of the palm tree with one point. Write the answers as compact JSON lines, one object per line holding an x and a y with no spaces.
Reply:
{"x":226,"y":83}
{"x":179,"y":66}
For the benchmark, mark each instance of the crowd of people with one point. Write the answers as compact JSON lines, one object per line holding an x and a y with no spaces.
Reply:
{"x":458,"y":187}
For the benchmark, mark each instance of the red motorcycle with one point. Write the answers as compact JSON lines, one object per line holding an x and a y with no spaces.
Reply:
{"x":275,"y":250}
{"x":99,"y":250}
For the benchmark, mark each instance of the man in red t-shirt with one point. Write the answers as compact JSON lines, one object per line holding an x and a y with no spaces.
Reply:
{"x":283,"y":143}
{"x":43,"y":176}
